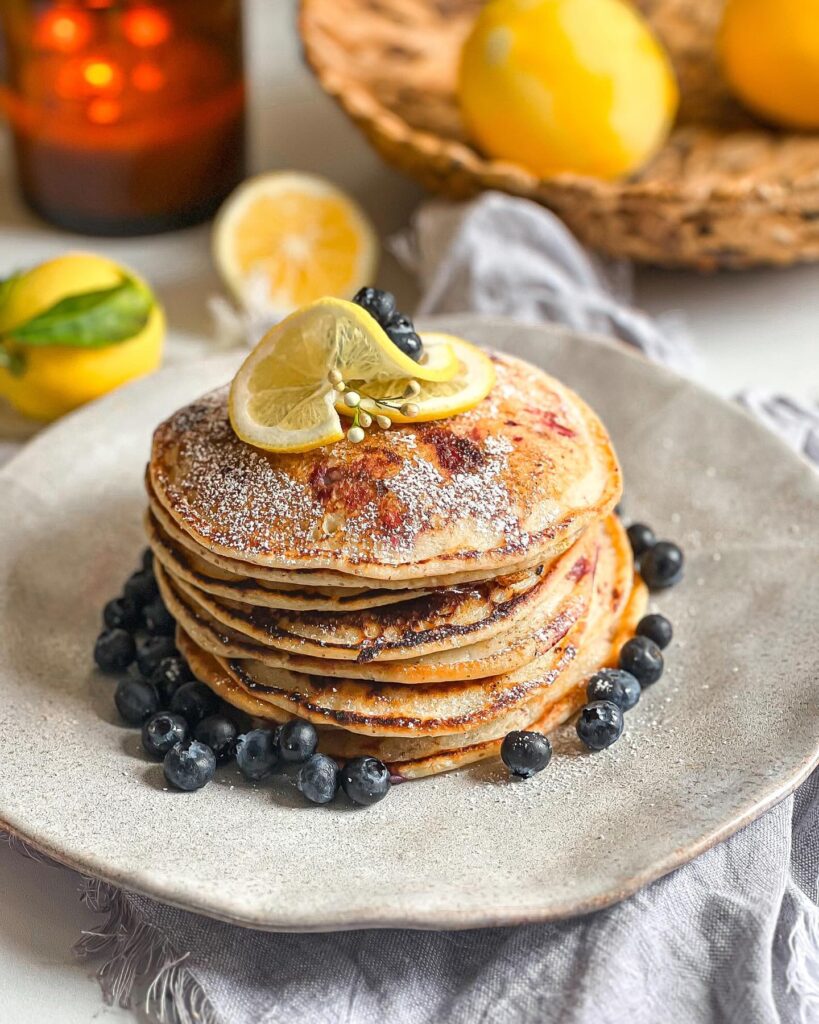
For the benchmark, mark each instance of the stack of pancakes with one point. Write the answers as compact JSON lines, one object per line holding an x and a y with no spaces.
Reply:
{"x":416,"y":596}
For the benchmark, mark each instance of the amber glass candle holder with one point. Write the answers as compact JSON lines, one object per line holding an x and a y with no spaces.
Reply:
{"x":127,"y":117}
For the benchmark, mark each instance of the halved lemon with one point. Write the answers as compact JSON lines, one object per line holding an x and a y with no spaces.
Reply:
{"x":436,"y":400}
{"x":292,"y":238}
{"x":282,"y":398}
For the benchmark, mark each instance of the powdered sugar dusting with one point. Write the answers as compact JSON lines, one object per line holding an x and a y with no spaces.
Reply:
{"x":488,"y":480}
{"x":427,"y":497}
{"x":237,"y":500}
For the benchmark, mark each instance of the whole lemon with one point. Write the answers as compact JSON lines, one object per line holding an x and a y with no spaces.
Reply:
{"x":53,"y":379}
{"x":578,"y":86}
{"x":770,"y":56}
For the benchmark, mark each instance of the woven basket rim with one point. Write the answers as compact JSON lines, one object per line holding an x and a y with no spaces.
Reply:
{"x":362,"y":106}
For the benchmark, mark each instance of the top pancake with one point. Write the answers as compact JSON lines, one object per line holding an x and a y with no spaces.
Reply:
{"x":510,"y":480}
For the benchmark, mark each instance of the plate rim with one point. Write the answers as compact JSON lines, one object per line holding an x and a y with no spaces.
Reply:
{"x":322,"y":921}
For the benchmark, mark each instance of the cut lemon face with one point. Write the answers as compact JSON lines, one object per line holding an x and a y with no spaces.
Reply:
{"x":472,"y":381}
{"x":282,"y":398}
{"x":284,"y":239}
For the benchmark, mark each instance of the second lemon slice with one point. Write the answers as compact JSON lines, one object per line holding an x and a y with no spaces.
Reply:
{"x":436,"y":400}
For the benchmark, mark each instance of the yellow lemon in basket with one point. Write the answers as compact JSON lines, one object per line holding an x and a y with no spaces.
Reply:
{"x":770,"y":56}
{"x":574,"y":86}
{"x":73,"y":329}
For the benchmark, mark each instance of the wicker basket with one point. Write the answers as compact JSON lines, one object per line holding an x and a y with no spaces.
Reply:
{"x":724,"y":192}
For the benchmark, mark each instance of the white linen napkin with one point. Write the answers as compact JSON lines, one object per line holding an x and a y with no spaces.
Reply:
{"x":731,"y":938}
{"x":506,"y":256}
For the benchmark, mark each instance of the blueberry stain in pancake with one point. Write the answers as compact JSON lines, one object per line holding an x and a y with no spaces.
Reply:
{"x":547,"y":421}
{"x":453,"y":452}
{"x":581,"y":567}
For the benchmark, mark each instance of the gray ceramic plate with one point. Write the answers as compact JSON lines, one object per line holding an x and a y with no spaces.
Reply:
{"x":731,"y":728}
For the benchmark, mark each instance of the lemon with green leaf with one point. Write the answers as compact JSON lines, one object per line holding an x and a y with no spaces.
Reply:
{"x":72,"y":329}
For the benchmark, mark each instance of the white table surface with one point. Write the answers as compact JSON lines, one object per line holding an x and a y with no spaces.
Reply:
{"x":756,"y":328}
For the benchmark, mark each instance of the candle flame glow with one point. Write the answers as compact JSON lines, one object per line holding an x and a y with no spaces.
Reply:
{"x":102,"y":75}
{"x":146,"y":26}
{"x":64,"y":30}
{"x":99,"y":73}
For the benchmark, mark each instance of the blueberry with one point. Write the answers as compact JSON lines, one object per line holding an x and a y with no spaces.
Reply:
{"x":158,"y":620}
{"x":317,"y":779}
{"x":600,"y":724}
{"x":662,"y":566}
{"x":643,"y":659}
{"x":136,"y":700}
{"x":122,"y":613}
{"x":141,"y":587}
{"x":219,"y":733}
{"x":194,"y":701}
{"x":163,"y":731}
{"x":168,"y":676}
{"x":526,"y":753}
{"x":147,"y":559}
{"x":189,"y":765}
{"x":401,"y":332}
{"x":613,"y":684}
{"x":641,"y":538}
{"x":114,"y":650}
{"x":365,"y":780}
{"x":151,"y":651}
{"x":656,"y":628}
{"x":257,"y":753}
{"x":379,"y":304}
{"x":298,"y":740}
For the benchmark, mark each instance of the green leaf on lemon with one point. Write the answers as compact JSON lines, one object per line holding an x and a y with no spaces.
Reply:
{"x":91,"y":319}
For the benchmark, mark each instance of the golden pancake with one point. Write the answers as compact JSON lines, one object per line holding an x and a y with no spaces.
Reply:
{"x":342,"y":743}
{"x":568,"y":602}
{"x":382,"y":709}
{"x":446,"y":618}
{"x":566,"y":698}
{"x":417,"y":757}
{"x":513,"y":478}
{"x":325,"y":579}
{"x":183,"y":564}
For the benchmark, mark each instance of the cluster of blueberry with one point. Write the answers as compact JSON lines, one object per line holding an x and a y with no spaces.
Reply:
{"x":398,"y":327}
{"x":613,"y":691}
{"x":184,"y":723}
{"x":138,"y":627}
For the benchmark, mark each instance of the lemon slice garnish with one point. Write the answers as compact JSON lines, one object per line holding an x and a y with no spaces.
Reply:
{"x":282,"y":399}
{"x":436,"y":400}
{"x":285,"y":239}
